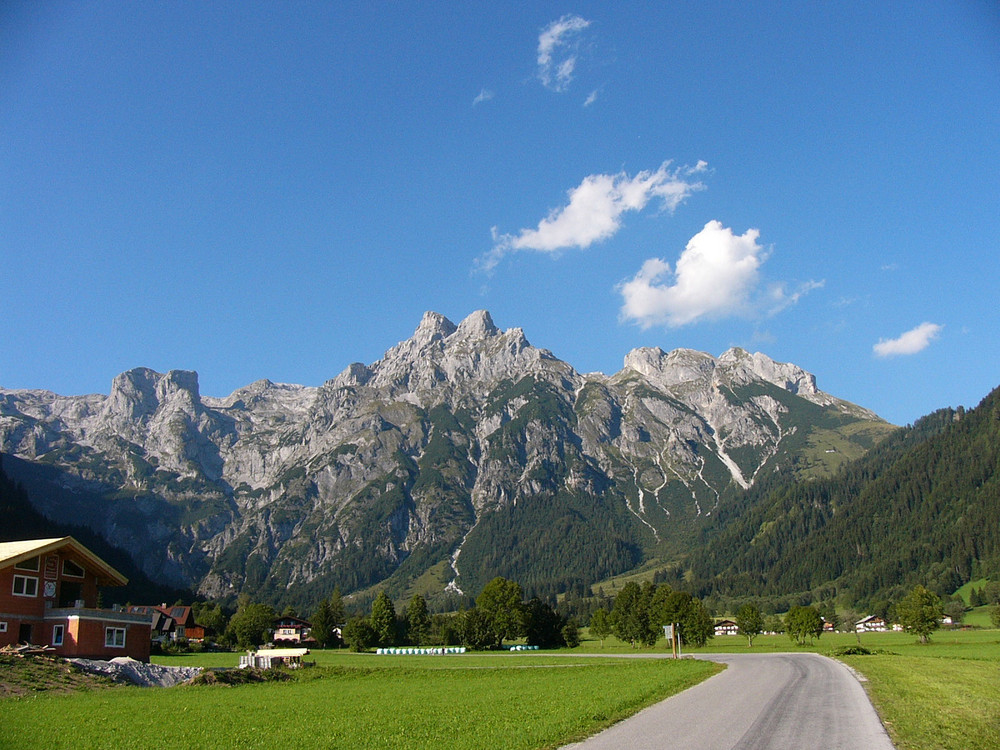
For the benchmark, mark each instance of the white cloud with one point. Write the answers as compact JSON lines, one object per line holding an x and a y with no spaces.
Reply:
{"x":594,"y":210}
{"x":911,"y":342}
{"x":715,"y":277}
{"x":483,"y":96}
{"x":557,"y":51}
{"x":591,"y":99}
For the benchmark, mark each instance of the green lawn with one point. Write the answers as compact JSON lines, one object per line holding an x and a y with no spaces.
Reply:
{"x":367,"y":701}
{"x":945,"y":694}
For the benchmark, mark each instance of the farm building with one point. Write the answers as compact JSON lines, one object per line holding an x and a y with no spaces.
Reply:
{"x":48,"y":596}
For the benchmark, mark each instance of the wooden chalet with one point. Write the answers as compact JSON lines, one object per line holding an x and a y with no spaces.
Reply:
{"x":726,"y":627}
{"x":871,"y":624}
{"x":288,"y":629}
{"x":48,"y":596}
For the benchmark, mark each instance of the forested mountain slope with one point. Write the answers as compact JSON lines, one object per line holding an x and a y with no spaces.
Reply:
{"x":21,"y":521}
{"x":924,"y":506}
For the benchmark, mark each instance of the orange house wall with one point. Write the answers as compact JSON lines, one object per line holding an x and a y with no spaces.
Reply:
{"x":81,"y":637}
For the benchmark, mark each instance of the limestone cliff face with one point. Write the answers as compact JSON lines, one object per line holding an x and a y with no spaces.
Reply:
{"x":465,"y":452}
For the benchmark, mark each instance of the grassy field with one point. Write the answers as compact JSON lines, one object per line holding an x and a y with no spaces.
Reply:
{"x":945,"y":694}
{"x":351,"y":701}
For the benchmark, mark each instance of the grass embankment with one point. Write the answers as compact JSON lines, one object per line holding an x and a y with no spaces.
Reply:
{"x":352,"y":701}
{"x":943,"y":695}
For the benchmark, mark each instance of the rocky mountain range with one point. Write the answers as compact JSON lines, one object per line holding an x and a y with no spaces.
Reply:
{"x":464,"y":453}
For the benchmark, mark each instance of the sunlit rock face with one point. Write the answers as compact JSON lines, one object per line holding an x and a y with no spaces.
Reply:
{"x":465,"y":452}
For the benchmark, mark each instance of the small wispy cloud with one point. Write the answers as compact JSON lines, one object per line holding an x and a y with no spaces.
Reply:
{"x":911,"y":342}
{"x":595,"y":208}
{"x":483,"y":96}
{"x":780,"y":298}
{"x":558,"y":46}
{"x":590,"y":99}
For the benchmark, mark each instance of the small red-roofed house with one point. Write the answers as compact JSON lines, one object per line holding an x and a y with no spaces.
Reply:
{"x":170,"y":623}
{"x":48,"y":597}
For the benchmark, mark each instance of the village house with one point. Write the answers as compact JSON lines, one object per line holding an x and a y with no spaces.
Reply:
{"x":726,"y":627}
{"x":170,"y":623}
{"x":871,"y":624}
{"x":48,"y":596}
{"x":288,"y":629}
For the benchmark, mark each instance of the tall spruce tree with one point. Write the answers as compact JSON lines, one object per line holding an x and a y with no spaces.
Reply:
{"x":383,"y":620}
{"x":418,"y":621}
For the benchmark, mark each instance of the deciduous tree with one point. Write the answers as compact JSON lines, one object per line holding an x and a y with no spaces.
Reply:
{"x":251,"y":624}
{"x":919,"y":612}
{"x":542,"y":625}
{"x":630,"y":615}
{"x":750,"y":622}
{"x":803,"y":623}
{"x":359,"y":634}
{"x":600,"y":624}
{"x":500,"y":602}
{"x":476,"y":630}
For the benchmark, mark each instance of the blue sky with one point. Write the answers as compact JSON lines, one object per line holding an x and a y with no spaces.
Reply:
{"x":277,"y":190}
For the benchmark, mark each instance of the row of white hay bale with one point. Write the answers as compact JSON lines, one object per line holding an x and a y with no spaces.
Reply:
{"x":424,"y":651}
{"x":523,"y":648}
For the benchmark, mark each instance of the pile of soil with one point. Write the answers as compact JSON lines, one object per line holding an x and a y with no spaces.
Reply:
{"x":28,"y":675}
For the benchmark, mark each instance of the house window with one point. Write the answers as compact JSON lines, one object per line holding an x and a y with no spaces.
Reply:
{"x":3,"y":627}
{"x":114,"y":637}
{"x":25,"y":586}
{"x":57,"y":634}
{"x":70,"y":568}
{"x":31,"y":564}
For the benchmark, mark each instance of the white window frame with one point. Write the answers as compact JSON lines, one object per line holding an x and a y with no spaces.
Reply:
{"x":66,"y":573}
{"x":58,"y":634}
{"x":111,"y":637}
{"x":3,"y":626}
{"x":24,"y":581}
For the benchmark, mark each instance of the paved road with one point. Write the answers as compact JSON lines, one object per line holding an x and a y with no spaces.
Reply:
{"x":760,"y":701}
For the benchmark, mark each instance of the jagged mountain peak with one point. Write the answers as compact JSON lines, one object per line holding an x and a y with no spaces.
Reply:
{"x":735,"y":366}
{"x":138,"y":393}
{"x":458,"y":438}
{"x":670,"y":369}
{"x":477,"y":325}
{"x":744,"y":367}
{"x":433,"y":327}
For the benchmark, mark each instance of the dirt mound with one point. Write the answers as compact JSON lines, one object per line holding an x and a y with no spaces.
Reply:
{"x":36,"y":674}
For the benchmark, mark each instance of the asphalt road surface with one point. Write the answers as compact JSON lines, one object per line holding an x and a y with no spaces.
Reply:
{"x":760,"y":701}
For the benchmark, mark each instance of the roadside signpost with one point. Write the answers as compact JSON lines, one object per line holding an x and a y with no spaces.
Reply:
{"x":674,"y":638}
